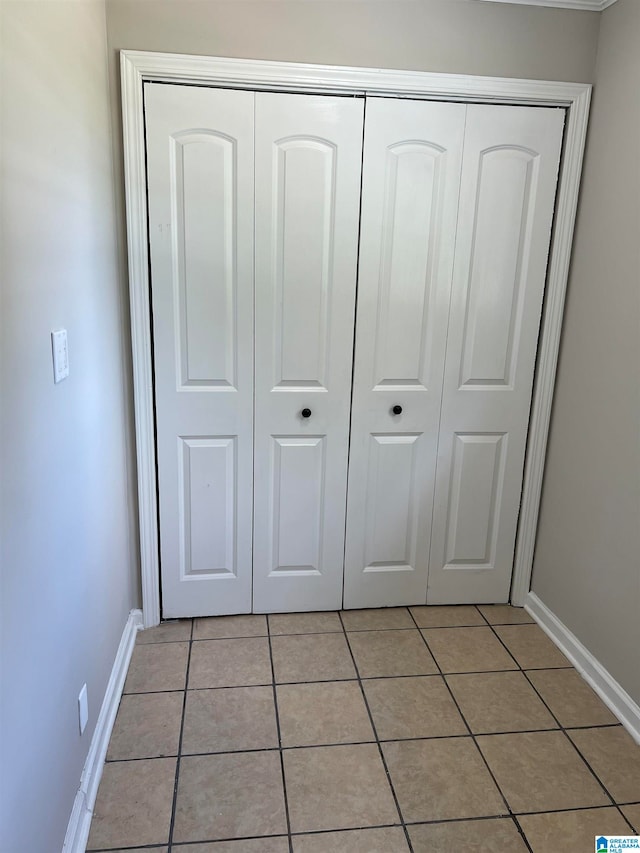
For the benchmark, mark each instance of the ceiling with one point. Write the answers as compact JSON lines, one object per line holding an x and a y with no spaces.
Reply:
{"x":589,"y":5}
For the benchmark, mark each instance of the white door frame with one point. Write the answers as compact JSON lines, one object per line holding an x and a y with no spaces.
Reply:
{"x":138,"y":67}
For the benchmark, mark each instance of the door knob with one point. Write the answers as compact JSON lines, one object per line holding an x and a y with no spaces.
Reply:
{"x":397,"y":410}
{"x":306,"y":413}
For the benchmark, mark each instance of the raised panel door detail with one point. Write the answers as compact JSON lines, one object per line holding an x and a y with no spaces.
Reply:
{"x":410,"y":237}
{"x":474,"y":504}
{"x":505,"y":195}
{"x":392,"y":508}
{"x":203,"y":169}
{"x":304,"y":177}
{"x":411,"y":180}
{"x":308,"y":165}
{"x":297,"y":510}
{"x":207,"y":471}
{"x":200,"y":191}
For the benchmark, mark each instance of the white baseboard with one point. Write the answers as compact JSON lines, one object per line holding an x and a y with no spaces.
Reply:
{"x":78,"y":829}
{"x":612,"y":694}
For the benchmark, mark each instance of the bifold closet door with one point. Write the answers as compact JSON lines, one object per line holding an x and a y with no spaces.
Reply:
{"x":411,"y":177}
{"x":253,"y":344}
{"x":200,"y":164}
{"x":308,"y":163}
{"x":509,"y":175}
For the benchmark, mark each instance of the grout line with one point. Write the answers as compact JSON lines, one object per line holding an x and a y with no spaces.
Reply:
{"x":633,"y":829}
{"x":111,"y":849}
{"x":336,"y":631}
{"x":375,"y":732}
{"x":356,"y":742}
{"x":475,"y":742}
{"x":562,"y":728}
{"x":186,"y":844}
{"x":277,"y":713}
{"x":573,"y":809}
{"x":363,"y":678}
{"x":177,"y":778}
{"x":521,"y":831}
{"x":511,"y":815}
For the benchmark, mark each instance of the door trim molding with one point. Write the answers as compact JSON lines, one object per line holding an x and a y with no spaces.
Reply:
{"x":138,"y":67}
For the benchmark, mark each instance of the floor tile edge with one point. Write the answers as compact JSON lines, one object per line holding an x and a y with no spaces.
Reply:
{"x":594,"y":673}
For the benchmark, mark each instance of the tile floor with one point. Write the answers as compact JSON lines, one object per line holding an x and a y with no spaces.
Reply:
{"x":370,"y":731}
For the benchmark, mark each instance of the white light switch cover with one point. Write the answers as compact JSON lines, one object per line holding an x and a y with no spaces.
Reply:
{"x":60,"y":355}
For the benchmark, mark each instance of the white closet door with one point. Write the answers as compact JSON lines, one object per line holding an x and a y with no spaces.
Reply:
{"x":411,"y":177}
{"x":308,"y":160}
{"x":509,"y":176}
{"x":200,"y":186}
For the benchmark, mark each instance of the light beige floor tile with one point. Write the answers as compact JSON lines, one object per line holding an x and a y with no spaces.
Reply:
{"x":253,"y":845}
{"x":390,"y":839}
{"x":381,"y":653}
{"x":499,"y":702}
{"x":147,"y":726}
{"x":133,"y":807}
{"x":615,"y":757}
{"x":441,"y":780}
{"x":311,"y":657}
{"x":328,"y":712}
{"x":379,"y":619}
{"x":229,"y":796}
{"x":468,"y":650}
{"x":632,"y":814}
{"x":228,"y":719}
{"x":413,"y":707}
{"x":443,"y":616}
{"x":337,"y":787}
{"x":166,"y":632}
{"x":540,"y":771}
{"x":531,"y":647}
{"x":570,"y":698}
{"x":157,"y":666}
{"x":304,"y":623}
{"x":227,"y":627}
{"x":468,"y":836}
{"x":571,"y":832}
{"x":230,"y":663}
{"x":504,"y":614}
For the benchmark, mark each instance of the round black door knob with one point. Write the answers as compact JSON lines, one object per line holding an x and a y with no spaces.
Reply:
{"x":397,"y":410}
{"x":306,"y":413}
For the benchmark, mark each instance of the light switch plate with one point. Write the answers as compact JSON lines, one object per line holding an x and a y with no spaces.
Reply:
{"x":60,"y":355}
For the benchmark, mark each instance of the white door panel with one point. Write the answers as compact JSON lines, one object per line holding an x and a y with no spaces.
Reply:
{"x":200,"y":196}
{"x":308,"y":161}
{"x":509,"y":175}
{"x":411,"y":176}
{"x":454,"y":229}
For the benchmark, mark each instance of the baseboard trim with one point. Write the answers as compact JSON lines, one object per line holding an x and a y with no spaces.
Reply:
{"x":612,"y":694}
{"x":78,"y":828}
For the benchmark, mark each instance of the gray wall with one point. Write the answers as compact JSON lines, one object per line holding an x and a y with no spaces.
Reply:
{"x":68,"y":576}
{"x":68,"y":556}
{"x":452,"y":36}
{"x":458,"y":36}
{"x":587,"y":562}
